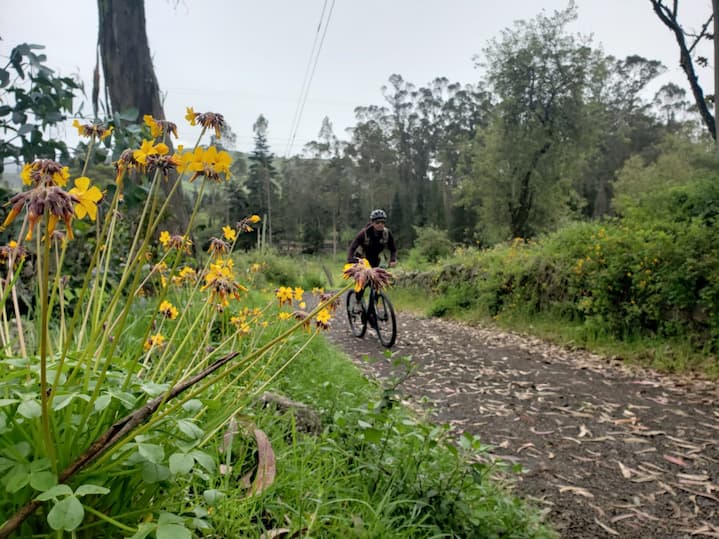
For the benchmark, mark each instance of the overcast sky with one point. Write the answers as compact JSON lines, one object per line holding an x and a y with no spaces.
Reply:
{"x":245,"y":58}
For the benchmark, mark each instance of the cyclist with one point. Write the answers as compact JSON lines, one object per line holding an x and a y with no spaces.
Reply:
{"x":374,"y":238}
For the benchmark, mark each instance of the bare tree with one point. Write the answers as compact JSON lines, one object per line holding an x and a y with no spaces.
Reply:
{"x":668,"y":13}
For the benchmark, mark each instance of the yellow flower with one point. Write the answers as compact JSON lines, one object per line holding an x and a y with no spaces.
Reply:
{"x":25,"y":174}
{"x":168,"y":310}
{"x":285,"y":315}
{"x":284,"y":294}
{"x":92,"y":130}
{"x":229,"y":233}
{"x":211,"y":164}
{"x":323,"y":318}
{"x":298,"y":293}
{"x":154,"y":341}
{"x":155,"y":130}
{"x":165,"y":238}
{"x":254,"y":219}
{"x":191,"y":115}
{"x":87,"y":197}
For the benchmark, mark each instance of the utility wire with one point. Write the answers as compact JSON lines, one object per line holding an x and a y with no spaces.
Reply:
{"x":305,"y":78}
{"x":308,"y":80}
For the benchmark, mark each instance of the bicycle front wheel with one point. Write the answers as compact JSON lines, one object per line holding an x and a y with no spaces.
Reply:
{"x":386,"y":320}
{"x":356,"y":314}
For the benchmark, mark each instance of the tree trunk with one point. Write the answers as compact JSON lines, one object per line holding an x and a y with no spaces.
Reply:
{"x":130,"y":77}
{"x":715,"y":13}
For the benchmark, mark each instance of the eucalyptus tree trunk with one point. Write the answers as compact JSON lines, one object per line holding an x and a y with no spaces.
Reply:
{"x":130,"y":80}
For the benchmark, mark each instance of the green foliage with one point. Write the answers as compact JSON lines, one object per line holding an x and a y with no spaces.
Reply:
{"x":32,"y":98}
{"x":431,"y":244}
{"x":653,"y":274}
{"x":679,"y":162}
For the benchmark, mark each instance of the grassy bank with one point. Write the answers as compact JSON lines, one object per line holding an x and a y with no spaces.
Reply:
{"x":371,"y":470}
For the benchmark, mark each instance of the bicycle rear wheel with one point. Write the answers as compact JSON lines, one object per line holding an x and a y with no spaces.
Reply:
{"x":356,"y":314}
{"x":386,"y":321}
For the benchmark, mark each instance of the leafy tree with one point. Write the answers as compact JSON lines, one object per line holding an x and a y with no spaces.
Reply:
{"x":32,"y":98}
{"x":539,"y":75}
{"x":618,"y":123}
{"x":261,"y":182}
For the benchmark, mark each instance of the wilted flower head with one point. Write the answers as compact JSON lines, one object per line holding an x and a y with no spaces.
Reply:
{"x":211,"y":120}
{"x":175,"y":241}
{"x":12,"y":251}
{"x":159,"y":127}
{"x":218,"y":247}
{"x":97,"y":131}
{"x":244,"y":224}
{"x":220,"y":280}
{"x":304,"y":316}
{"x":324,"y":297}
{"x":165,"y":164}
{"x":364,"y":274}
{"x":42,"y":198}
{"x":45,"y":172}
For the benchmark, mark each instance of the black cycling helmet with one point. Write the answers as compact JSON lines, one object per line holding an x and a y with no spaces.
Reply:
{"x":378,"y":215}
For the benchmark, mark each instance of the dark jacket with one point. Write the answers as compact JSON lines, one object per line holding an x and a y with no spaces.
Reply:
{"x":370,"y":245}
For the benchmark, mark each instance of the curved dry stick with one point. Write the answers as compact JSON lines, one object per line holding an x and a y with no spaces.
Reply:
{"x":111,"y":436}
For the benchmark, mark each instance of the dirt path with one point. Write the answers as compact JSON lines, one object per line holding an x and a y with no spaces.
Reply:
{"x":607,"y":451}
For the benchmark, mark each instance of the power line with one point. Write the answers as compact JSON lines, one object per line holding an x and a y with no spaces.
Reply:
{"x":308,"y":80}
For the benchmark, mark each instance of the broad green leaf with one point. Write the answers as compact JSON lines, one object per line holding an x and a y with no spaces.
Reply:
{"x":54,"y":492}
{"x":153,"y":389}
{"x":152,"y":452}
{"x":363,"y":424}
{"x":43,"y":481}
{"x":212,"y":496}
{"x":193,"y":405}
{"x":169,"y":518}
{"x":204,"y":460}
{"x":145,"y":529}
{"x":181,"y":463}
{"x":373,"y":435}
{"x":6,"y":463}
{"x":39,"y":465}
{"x":67,"y":514}
{"x":172,"y":531}
{"x":154,"y":473}
{"x":189,"y":429}
{"x":7,"y":402}
{"x":17,"y":478}
{"x":88,"y":488}
{"x":102,"y":402}
{"x":29,"y":409}
{"x":127,"y":399}
{"x":63,"y":400}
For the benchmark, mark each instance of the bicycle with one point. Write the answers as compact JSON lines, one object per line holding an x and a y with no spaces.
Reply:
{"x":377,"y":312}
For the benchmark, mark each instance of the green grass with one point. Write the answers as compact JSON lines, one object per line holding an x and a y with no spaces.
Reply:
{"x":374,"y":471}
